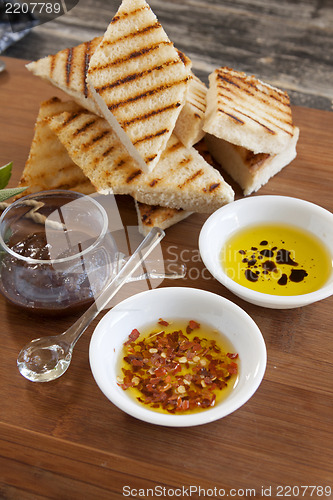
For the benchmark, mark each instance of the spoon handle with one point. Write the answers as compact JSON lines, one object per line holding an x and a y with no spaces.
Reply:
{"x":141,"y":253}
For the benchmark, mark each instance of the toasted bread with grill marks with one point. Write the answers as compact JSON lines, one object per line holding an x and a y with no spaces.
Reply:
{"x":150,"y":216}
{"x":247,"y":112}
{"x":189,"y":125}
{"x":139,"y":81}
{"x":67,"y":70}
{"x":182,"y":179}
{"x":249,"y":170}
{"x":48,"y":165}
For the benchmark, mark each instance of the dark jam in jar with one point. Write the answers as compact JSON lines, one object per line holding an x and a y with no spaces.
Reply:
{"x":48,"y":288}
{"x":55,"y":256}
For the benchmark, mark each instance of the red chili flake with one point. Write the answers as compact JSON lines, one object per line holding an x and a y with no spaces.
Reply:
{"x":232,"y":368}
{"x":165,"y":382}
{"x":161,"y":371}
{"x":163,"y":322}
{"x":232,"y":355}
{"x":185,"y":404}
{"x":133,"y":336}
{"x":137,"y":362}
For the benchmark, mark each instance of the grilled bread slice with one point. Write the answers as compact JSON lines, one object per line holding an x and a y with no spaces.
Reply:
{"x":139,"y":81}
{"x":247,"y":112}
{"x":150,"y":216}
{"x":249,"y":170}
{"x":48,"y":165}
{"x":182,"y":179}
{"x":67,"y":70}
{"x":188,"y":127}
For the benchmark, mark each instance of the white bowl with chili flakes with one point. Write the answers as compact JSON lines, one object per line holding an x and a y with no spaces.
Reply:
{"x":231,"y":325}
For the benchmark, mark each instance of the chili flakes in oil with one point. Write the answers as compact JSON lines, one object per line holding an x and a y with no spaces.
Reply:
{"x":174,"y":372}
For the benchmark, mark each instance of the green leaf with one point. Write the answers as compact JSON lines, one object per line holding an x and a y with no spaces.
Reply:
{"x":8,"y":193}
{"x":5,"y":173}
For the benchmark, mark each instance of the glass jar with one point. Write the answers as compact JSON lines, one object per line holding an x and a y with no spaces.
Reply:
{"x":56,"y":252}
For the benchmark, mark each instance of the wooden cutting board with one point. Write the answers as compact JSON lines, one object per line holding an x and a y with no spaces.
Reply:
{"x":78,"y":445}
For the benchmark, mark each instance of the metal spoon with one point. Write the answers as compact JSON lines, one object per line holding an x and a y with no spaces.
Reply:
{"x":47,"y":358}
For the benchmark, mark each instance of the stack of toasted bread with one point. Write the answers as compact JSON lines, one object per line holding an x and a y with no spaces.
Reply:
{"x":249,"y":127}
{"x":136,"y":112}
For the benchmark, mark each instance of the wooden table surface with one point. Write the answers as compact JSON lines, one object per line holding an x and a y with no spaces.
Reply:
{"x":288,"y":43}
{"x":65,"y":440}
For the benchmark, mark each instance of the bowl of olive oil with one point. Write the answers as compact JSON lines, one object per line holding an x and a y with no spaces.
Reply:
{"x":272,"y":251}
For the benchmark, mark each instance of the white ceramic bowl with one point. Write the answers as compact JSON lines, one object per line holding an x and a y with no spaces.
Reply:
{"x":265,"y":209}
{"x":146,"y":308}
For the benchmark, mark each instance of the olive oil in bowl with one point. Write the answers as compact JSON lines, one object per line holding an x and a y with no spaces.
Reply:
{"x":276,"y":259}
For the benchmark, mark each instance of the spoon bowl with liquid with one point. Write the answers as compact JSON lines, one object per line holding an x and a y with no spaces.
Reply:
{"x":47,"y":358}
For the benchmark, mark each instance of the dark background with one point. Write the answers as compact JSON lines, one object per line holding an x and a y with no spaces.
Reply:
{"x":288,"y":43}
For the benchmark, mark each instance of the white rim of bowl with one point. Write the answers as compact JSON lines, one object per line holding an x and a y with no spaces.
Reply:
{"x":325,"y":291}
{"x":187,"y":420}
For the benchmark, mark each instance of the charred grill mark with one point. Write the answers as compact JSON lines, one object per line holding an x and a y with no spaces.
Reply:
{"x":230,"y":76}
{"x":97,"y":138}
{"x":183,"y":58}
{"x":146,"y":220}
{"x":233,"y":117}
{"x":118,"y":164}
{"x":148,"y":93}
{"x":259,"y":95}
{"x":198,"y":173}
{"x":195,"y":105}
{"x":85,"y":67}
{"x":71,"y":117}
{"x":108,"y":151}
{"x":69,"y":66}
{"x":174,"y":147}
{"x":128,"y":57}
{"x":149,"y":212}
{"x":149,"y":115}
{"x":52,"y":64}
{"x":148,"y":159}
{"x":245,"y":84}
{"x":139,"y":32}
{"x":153,"y":182}
{"x":84,"y":127}
{"x":151,"y":136}
{"x":133,"y":176}
{"x":185,"y":161}
{"x":129,"y":14}
{"x":259,"y":123}
{"x":244,"y":81}
{"x":213,"y":186}
{"x":136,"y":76}
{"x":229,"y":80}
{"x":288,"y":129}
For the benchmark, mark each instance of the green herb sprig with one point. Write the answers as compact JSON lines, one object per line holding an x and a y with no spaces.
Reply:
{"x":5,"y":174}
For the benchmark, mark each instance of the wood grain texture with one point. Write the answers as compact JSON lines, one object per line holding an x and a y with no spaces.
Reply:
{"x":288,"y":43}
{"x":65,"y":440}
